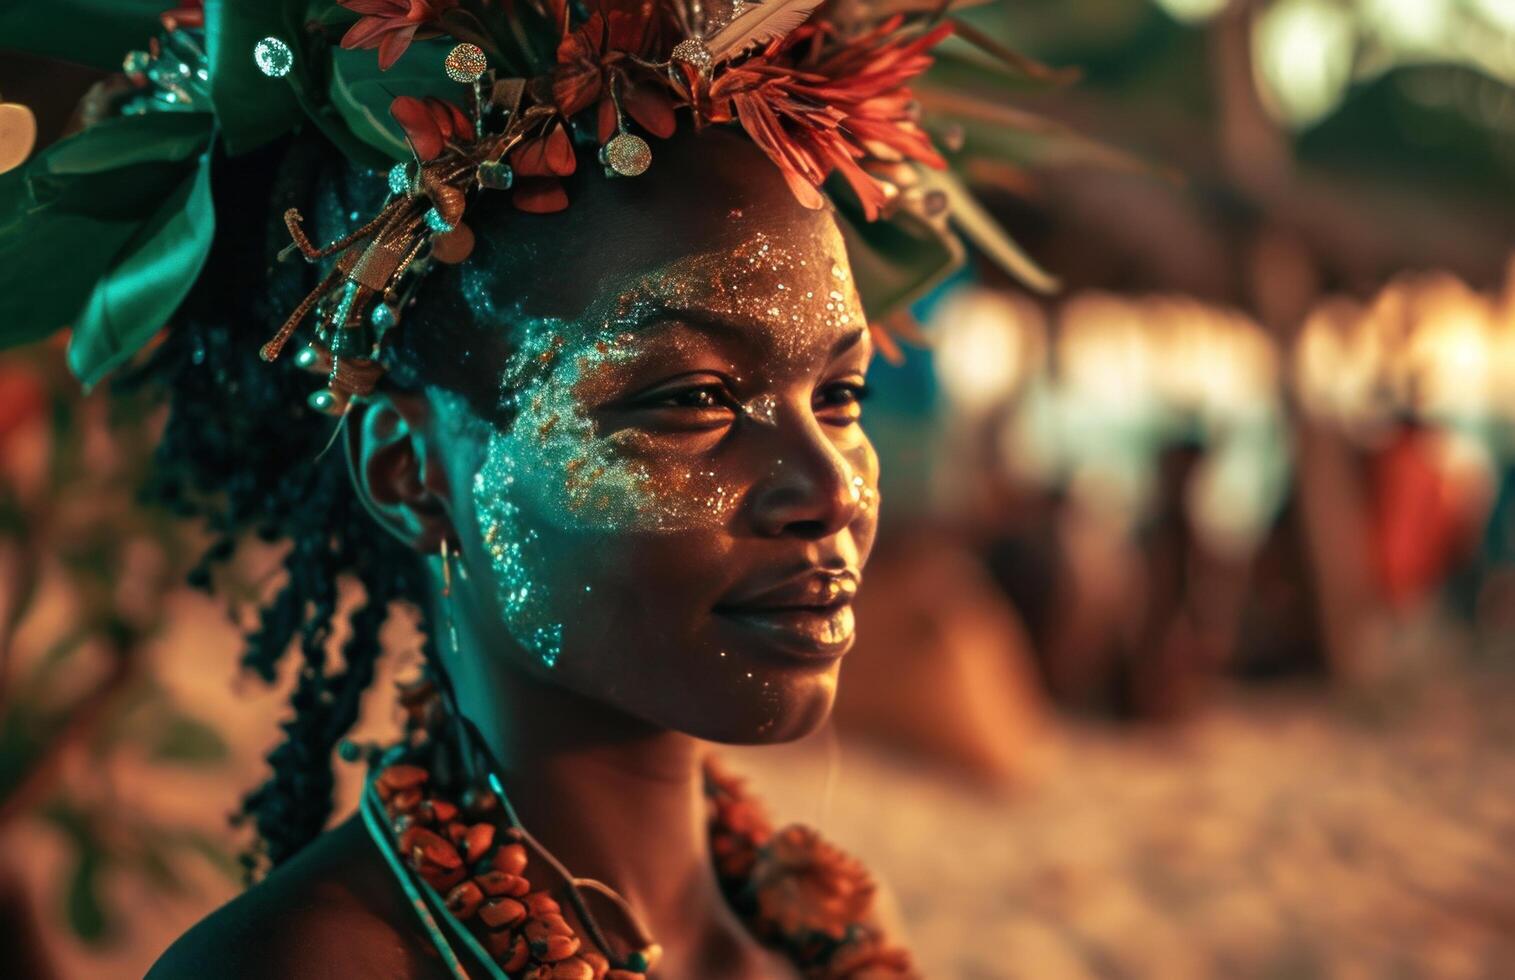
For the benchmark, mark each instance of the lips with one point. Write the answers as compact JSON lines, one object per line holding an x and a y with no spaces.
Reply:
{"x":806,"y":616}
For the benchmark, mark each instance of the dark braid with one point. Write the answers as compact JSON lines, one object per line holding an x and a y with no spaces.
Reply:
{"x":241,"y":451}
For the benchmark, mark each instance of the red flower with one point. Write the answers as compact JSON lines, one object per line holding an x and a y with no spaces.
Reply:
{"x":390,"y":25}
{"x":738,"y":824}
{"x":815,"y":111}
{"x":868,"y":957}
{"x":804,"y":885}
{"x":538,"y":163}
{"x":547,"y":155}
{"x":601,"y":49}
{"x":431,"y":124}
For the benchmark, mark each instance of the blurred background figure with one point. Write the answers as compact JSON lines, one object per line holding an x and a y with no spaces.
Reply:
{"x":1188,"y":647}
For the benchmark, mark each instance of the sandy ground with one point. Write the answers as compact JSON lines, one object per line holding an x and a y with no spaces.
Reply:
{"x":1283,"y":836}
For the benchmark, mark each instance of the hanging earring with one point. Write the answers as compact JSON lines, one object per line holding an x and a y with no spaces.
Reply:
{"x":484,"y":783}
{"x":444,"y":683}
{"x":445,"y":548}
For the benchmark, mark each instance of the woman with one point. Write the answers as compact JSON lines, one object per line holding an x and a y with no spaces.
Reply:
{"x":611,"y":451}
{"x":702,"y":581}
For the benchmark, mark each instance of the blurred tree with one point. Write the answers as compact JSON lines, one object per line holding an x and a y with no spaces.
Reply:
{"x":84,"y":577}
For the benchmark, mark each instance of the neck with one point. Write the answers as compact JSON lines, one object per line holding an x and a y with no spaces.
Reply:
{"x":613,"y":798}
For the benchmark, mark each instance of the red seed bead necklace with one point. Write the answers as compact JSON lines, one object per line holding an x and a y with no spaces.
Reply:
{"x":487,"y":878}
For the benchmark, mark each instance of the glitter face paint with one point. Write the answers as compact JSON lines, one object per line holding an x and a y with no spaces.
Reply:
{"x":630,"y":480}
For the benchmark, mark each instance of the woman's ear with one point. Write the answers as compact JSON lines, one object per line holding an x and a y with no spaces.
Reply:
{"x":396,"y":471}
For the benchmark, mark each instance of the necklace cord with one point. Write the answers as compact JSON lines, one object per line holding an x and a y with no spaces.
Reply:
{"x":418,"y":902}
{"x":575,"y":898}
{"x":471,"y":741}
{"x":444,"y":682}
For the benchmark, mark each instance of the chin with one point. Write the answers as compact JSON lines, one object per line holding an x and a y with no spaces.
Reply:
{"x":772,"y":708}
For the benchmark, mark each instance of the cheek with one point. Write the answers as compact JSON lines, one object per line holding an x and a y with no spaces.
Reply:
{"x":610,"y":536}
{"x":616,"y":595}
{"x":863,"y":488}
{"x":518,"y":557}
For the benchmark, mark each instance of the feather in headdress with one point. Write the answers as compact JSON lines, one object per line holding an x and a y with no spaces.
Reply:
{"x":759,"y":23}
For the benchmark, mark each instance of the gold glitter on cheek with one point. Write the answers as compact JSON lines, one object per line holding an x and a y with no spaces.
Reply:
{"x":864,"y":494}
{"x":679,"y":493}
{"x":584,"y":481}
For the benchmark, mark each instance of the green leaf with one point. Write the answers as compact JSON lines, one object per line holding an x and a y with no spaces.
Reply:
{"x":39,"y":292}
{"x":111,"y":144}
{"x":86,"y":914}
{"x":186,"y":740}
{"x":81,"y":903}
{"x":252,"y":107}
{"x":91,"y":32}
{"x":146,"y":282}
{"x":980,"y":228}
{"x":21,"y":739}
{"x":324,"y":22}
{"x":896,"y":260}
{"x":66,"y":214}
{"x":211,"y":850}
{"x":157,"y":867}
{"x":361,"y":93}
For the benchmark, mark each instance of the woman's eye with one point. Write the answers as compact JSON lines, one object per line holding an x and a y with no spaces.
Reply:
{"x":706,"y":397}
{"x":691,"y":407}
{"x":841,"y":402}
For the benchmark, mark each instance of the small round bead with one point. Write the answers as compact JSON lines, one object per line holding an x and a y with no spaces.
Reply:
{"x":436,"y":222}
{"x":466,"y":63}
{"x":496,"y":175}
{"x":322,"y":401}
{"x":384,"y":316}
{"x":627,"y":154}
{"x":399,"y":179}
{"x":273,"y":57}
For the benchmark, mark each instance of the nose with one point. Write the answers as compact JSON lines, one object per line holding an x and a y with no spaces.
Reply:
{"x":811,"y":491}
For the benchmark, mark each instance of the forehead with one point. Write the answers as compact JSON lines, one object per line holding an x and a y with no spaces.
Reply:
{"x":706,"y":232}
{"x":785,"y":297}
{"x":708,"y":196}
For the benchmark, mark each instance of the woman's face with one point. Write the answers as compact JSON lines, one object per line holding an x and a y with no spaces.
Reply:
{"x":676,"y":517}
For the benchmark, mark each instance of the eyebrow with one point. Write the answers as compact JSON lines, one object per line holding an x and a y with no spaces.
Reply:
{"x":658,"y":317}
{"x":666,"y":316}
{"x":846,"y":343}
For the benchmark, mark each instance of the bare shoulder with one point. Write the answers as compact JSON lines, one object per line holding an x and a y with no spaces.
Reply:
{"x":332,"y":911}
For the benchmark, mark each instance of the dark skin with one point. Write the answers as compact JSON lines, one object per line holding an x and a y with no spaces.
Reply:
{"x":693,"y":499}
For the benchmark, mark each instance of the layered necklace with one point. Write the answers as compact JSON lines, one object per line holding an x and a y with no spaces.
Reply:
{"x":478,"y":881}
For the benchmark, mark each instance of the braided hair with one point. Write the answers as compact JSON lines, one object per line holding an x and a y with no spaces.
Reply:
{"x":243,"y":453}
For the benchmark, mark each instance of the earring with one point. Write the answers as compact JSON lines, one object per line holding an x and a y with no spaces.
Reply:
{"x":444,"y":683}
{"x":445,"y":550}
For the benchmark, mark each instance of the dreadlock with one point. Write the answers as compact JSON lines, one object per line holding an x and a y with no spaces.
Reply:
{"x":243,"y":453}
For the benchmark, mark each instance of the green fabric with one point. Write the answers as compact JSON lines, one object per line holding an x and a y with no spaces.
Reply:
{"x":895,"y":261}
{"x":161,"y":137}
{"x":251,"y":107}
{"x":978,"y":226}
{"x":107,"y":230}
{"x":146,"y":282}
{"x":97,"y":33}
{"x":72,"y":213}
{"x":361,"y":93}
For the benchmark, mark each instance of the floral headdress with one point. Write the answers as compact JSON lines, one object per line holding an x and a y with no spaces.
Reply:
{"x":455,"y":99}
